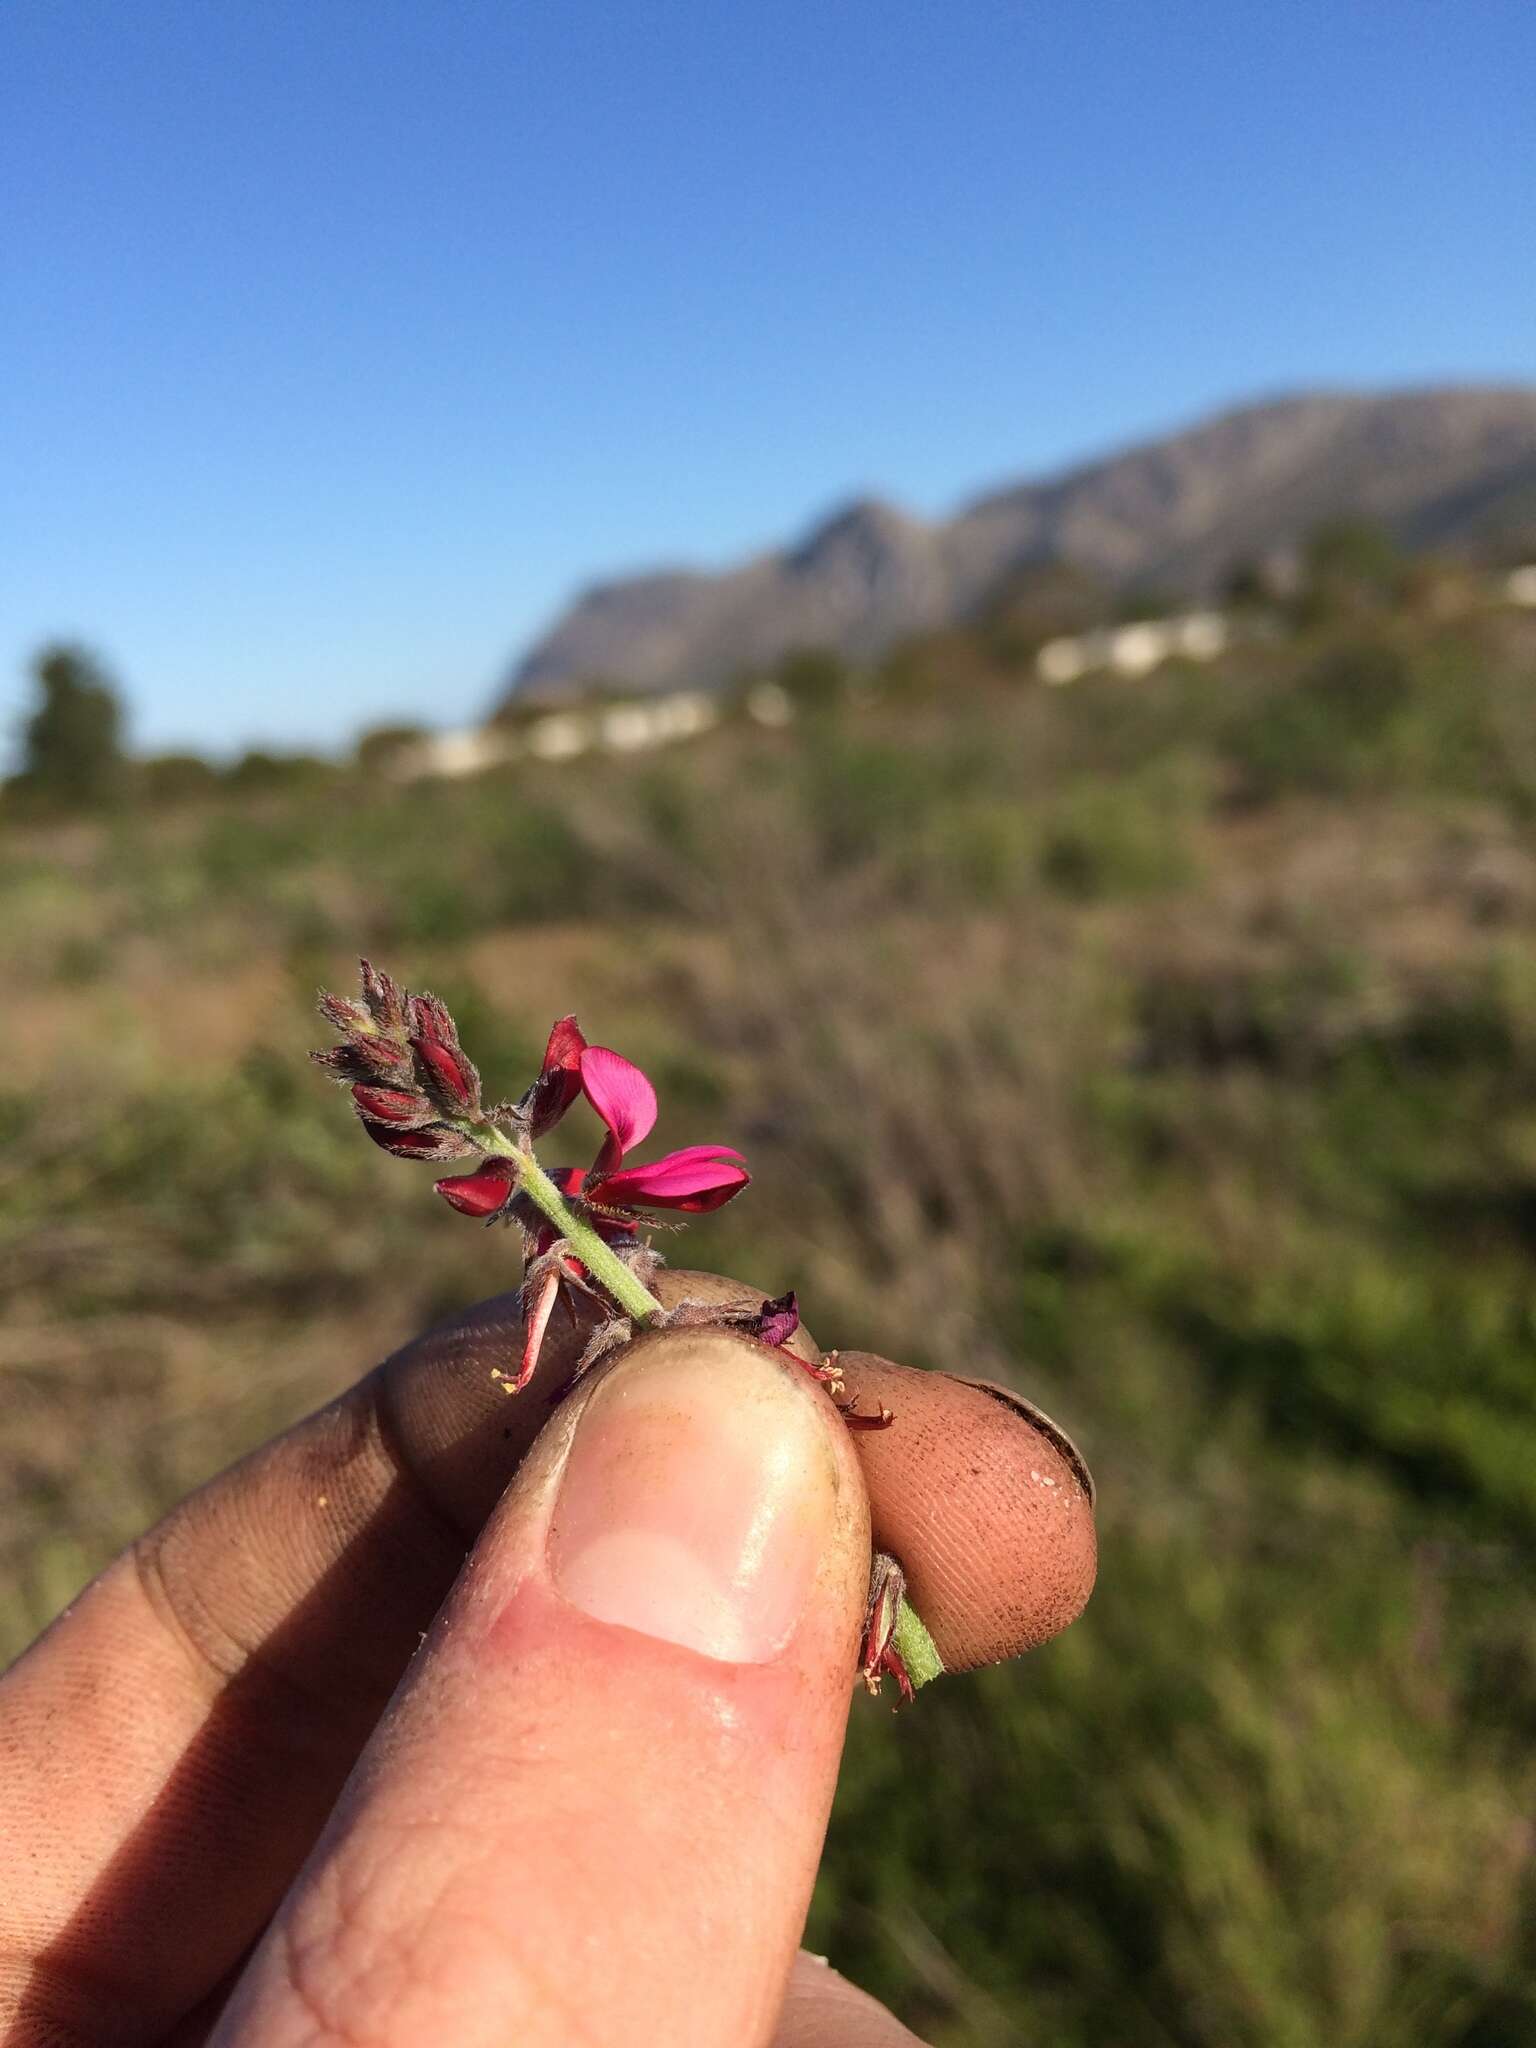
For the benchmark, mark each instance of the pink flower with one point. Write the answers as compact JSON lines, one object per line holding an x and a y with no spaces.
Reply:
{"x":699,"y":1177}
{"x":696,"y":1179}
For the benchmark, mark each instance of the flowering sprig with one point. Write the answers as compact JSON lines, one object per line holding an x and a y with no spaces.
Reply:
{"x":418,"y":1095}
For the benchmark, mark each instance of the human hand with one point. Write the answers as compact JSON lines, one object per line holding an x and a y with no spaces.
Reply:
{"x":592,"y":1810}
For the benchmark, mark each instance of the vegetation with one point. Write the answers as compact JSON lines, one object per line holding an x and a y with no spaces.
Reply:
{"x":1167,"y":1047}
{"x":72,"y":745}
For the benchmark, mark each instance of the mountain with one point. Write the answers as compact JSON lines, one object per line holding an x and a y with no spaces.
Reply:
{"x":1439,"y":467}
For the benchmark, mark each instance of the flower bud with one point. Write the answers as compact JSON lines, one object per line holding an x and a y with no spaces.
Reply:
{"x":445,"y":1069}
{"x":346,"y":1015}
{"x":481,"y":1193}
{"x":365,"y":1059}
{"x":400,"y":1106}
{"x":384,"y":996}
{"x":432,"y":1141}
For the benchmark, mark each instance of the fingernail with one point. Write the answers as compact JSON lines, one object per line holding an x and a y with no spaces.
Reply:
{"x":698,"y":1494}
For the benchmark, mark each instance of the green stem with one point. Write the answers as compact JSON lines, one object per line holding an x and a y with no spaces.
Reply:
{"x":600,"y":1260}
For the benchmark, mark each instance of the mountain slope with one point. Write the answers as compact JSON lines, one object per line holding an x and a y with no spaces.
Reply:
{"x":1438,"y":466}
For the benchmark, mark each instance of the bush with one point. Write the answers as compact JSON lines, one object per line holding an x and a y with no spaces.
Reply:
{"x":1332,"y":730}
{"x":176,"y":778}
{"x":1097,"y":841}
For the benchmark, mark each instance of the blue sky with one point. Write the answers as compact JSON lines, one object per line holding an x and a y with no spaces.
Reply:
{"x":340,"y":340}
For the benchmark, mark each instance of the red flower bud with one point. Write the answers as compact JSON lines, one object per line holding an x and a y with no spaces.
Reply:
{"x":344,"y":1013}
{"x":400,"y":1106}
{"x":384,"y":996}
{"x":432,"y":1141}
{"x":446,"y":1071}
{"x":458,"y":1084}
{"x":480,"y":1193}
{"x":427,"y":1017}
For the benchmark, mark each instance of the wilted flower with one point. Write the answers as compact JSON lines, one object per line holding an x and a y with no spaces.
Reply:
{"x":878,"y":1655}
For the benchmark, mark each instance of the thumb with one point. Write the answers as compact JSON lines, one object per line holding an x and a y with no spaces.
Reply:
{"x":594,"y":1809}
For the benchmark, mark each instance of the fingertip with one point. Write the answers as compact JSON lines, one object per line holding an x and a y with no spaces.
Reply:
{"x":986,"y":1505}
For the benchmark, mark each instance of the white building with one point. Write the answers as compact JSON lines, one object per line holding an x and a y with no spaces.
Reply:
{"x":560,"y":736}
{"x":448,"y":755}
{"x":1135,"y":649}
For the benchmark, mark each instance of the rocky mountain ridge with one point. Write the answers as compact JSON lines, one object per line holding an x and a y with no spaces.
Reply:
{"x":1440,"y":467}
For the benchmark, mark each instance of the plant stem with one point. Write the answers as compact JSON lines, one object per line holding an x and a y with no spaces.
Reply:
{"x":600,"y":1260}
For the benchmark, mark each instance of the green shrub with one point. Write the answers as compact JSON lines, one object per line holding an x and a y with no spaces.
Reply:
{"x":1102,"y":840}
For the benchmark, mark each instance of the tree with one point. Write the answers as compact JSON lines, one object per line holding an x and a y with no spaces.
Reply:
{"x":258,"y":772}
{"x":72,"y":753}
{"x":176,"y":778}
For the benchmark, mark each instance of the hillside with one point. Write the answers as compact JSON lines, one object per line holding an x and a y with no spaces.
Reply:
{"x":1439,"y":467}
{"x":1165,"y":1048}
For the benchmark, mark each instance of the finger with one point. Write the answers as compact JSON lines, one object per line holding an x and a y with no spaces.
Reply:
{"x":823,"y":2010}
{"x":986,"y":1504}
{"x":985,"y":1501}
{"x":594,"y":1811}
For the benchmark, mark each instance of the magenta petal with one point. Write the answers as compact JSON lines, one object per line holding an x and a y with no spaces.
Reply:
{"x":622,"y":1097}
{"x":779,"y":1320}
{"x":698,"y":1177}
